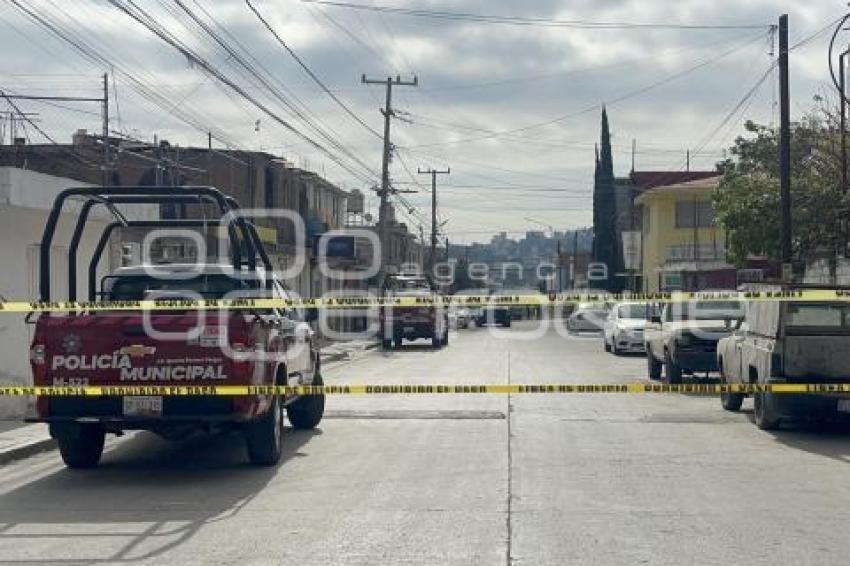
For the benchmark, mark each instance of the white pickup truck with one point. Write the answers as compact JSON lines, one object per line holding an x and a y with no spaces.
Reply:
{"x":683,"y":339}
{"x":788,"y":342}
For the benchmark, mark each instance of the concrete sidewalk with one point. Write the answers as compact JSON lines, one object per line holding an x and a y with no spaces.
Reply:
{"x":20,"y":440}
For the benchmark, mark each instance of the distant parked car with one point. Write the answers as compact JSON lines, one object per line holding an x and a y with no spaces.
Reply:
{"x":789,"y":342}
{"x":496,"y":314}
{"x":588,"y":317}
{"x":462,"y":317}
{"x":623,"y":331}
{"x":459,"y":317}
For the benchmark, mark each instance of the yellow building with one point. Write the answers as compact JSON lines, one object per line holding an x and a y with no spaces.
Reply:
{"x":681,"y":246}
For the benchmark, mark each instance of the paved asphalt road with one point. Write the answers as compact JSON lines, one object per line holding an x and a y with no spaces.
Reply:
{"x":529,"y":480}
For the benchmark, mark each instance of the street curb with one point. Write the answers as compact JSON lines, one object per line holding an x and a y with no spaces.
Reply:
{"x":27,"y":450}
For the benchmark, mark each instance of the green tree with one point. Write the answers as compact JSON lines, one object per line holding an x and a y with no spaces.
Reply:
{"x":604,"y":211}
{"x":747,"y":201}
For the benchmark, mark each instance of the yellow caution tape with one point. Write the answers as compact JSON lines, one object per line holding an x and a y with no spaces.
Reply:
{"x":554,"y":299}
{"x":424,"y":389}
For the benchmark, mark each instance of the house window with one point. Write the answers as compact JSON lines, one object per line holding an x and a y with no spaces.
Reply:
{"x":694,"y":214}
{"x":671,"y":281}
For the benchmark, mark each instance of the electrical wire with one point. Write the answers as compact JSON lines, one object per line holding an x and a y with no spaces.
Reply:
{"x":150,"y":94}
{"x":246,"y":65}
{"x":525,"y":21}
{"x":154,"y":27}
{"x":312,"y":75}
{"x":299,"y":108}
{"x":595,"y":107}
{"x":835,"y":81}
{"x":35,"y":126}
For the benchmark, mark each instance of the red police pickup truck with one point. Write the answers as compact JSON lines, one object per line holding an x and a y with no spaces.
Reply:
{"x":273,"y":346}
{"x":412,"y":321}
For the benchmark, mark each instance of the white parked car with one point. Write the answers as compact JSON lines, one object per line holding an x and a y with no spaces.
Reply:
{"x":462,"y":317}
{"x":459,"y":317}
{"x":623,"y":331}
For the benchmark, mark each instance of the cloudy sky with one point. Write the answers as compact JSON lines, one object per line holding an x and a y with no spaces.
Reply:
{"x":513,"y":110}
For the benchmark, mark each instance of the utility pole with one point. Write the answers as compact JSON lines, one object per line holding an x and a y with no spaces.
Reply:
{"x":209,"y":158}
{"x":158,"y":150}
{"x":433,"y":173}
{"x":106,"y":168}
{"x":384,"y":191}
{"x":574,"y":261}
{"x":560,"y":269}
{"x":784,"y":152}
{"x":842,"y":100}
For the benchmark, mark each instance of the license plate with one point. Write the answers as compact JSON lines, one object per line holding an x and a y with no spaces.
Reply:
{"x":408,"y":329}
{"x":844,"y":405}
{"x":142,"y":406}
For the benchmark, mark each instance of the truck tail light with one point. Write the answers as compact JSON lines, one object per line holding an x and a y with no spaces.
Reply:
{"x":37,"y":354}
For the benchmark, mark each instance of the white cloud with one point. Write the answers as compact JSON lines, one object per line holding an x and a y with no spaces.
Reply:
{"x":471,"y":76}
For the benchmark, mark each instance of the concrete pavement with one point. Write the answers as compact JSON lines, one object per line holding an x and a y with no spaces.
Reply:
{"x":608,"y":479}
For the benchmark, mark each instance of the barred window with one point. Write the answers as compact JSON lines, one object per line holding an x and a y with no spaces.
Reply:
{"x":694,"y":214}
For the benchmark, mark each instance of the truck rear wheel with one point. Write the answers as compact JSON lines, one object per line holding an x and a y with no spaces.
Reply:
{"x":307,"y":411}
{"x":83,"y":447}
{"x":264,"y":436}
{"x":730,"y":401}
{"x":672,"y":370}
{"x":653,"y":365}
{"x":765,"y":415}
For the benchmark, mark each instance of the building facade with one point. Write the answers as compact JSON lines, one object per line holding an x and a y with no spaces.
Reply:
{"x":26,"y":198}
{"x":682,"y":247}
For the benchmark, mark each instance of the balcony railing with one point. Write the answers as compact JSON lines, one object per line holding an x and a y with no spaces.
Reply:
{"x":701,"y":252}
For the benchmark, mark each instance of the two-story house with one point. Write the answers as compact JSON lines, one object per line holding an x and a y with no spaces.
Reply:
{"x":682,"y":247}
